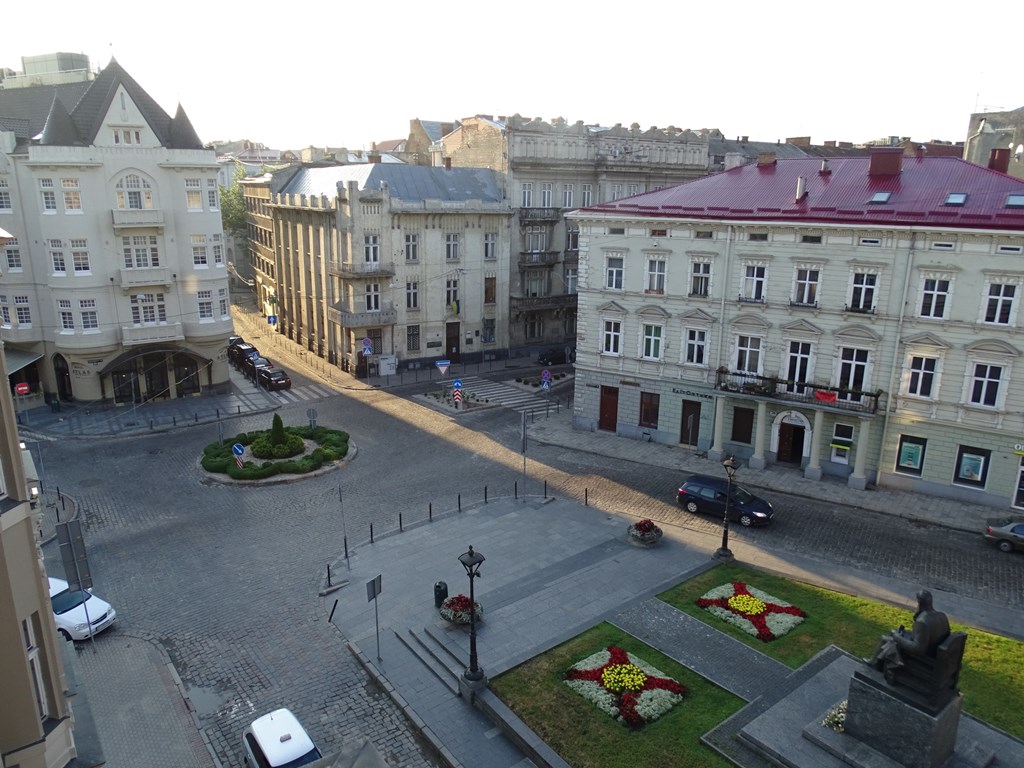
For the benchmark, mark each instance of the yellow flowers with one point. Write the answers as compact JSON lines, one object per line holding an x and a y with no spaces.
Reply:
{"x":747,"y":604}
{"x":623,"y":677}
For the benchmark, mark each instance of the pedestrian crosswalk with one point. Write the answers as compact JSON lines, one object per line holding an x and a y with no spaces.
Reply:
{"x":303,"y":394}
{"x":503,"y":394}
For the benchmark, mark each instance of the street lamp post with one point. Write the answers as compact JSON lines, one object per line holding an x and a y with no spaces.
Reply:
{"x":472,"y":561}
{"x":723,"y":552}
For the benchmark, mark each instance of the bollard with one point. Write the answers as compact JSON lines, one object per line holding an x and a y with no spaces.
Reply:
{"x":174,"y":421}
{"x":371,"y":533}
{"x":430,"y":512}
{"x":197,"y":418}
{"x":218,"y":414}
{"x":333,"y":609}
{"x":586,"y":501}
{"x":485,"y":494}
{"x":328,"y":574}
{"x":345,"y":539}
{"x":460,"y":502}
{"x":400,"y":522}
{"x":239,"y":410}
{"x":150,"y":423}
{"x":545,"y":489}
{"x":516,"y":488}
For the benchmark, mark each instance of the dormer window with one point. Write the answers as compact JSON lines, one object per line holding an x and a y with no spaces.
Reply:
{"x":1015,"y":201}
{"x":879,"y":198}
{"x":956,"y":198}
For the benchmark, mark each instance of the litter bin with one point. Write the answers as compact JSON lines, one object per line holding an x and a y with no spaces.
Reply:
{"x":440,"y":594}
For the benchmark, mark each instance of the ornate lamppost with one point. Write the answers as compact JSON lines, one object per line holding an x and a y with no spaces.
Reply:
{"x":472,"y":561}
{"x":723,"y":552}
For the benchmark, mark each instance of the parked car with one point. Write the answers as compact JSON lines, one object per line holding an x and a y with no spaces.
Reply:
{"x":232,"y":340}
{"x":238,"y":352}
{"x":278,"y":740}
{"x":707,"y":494}
{"x":1007,"y":533}
{"x":557,"y":356}
{"x":274,"y":378}
{"x":71,"y":606}
{"x":251,"y":366}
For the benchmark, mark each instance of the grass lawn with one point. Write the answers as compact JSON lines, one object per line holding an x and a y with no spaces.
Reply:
{"x":992,"y":679}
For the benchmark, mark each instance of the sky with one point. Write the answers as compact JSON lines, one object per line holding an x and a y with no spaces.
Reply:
{"x":346,"y":74}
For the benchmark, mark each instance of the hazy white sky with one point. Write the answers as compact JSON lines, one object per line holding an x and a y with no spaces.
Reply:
{"x":350,"y":73}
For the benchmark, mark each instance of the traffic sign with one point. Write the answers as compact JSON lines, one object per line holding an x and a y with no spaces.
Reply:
{"x":271,"y":319}
{"x":443,"y":365}
{"x":21,"y":388}
{"x":367,"y":343}
{"x":457,"y":384}
{"x":238,"y":449}
{"x":545,"y":385}
{"x":457,"y":394}
{"x":545,"y":375}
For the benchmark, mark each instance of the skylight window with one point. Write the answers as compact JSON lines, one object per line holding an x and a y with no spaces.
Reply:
{"x":1015,"y":201}
{"x":879,"y":198}
{"x":956,"y":198}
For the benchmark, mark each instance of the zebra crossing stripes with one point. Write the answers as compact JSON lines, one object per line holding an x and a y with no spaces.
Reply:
{"x":503,"y":394}
{"x":304,"y":394}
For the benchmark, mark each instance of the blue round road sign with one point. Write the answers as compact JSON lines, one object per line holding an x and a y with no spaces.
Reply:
{"x":238,"y":449}
{"x":546,"y":375}
{"x":457,"y":384}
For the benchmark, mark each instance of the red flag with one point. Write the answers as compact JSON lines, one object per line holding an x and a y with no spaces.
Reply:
{"x":825,"y":397}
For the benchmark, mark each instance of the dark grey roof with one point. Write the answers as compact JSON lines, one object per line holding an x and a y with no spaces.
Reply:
{"x":434,"y":129}
{"x":752,"y":148}
{"x":86,"y":104}
{"x":405,"y":182}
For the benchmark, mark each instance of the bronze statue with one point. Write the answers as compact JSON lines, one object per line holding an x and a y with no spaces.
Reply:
{"x":930,"y":629}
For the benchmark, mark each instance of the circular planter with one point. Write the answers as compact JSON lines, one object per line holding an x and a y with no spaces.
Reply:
{"x":459,"y":616}
{"x":644,"y":533}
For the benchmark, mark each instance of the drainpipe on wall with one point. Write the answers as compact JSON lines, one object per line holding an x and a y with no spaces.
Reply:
{"x":721,"y":335}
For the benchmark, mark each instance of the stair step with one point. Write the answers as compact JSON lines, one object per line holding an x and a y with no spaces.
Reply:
{"x":430,"y":661}
{"x":460,"y":663}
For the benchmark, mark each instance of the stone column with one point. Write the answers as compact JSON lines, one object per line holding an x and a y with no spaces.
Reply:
{"x":717,"y":452}
{"x":813,"y":469}
{"x":858,"y":479}
{"x":758,"y":461}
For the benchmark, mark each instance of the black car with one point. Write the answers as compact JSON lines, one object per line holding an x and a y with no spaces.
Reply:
{"x":237,"y":353}
{"x":556,"y":356}
{"x":274,"y":378}
{"x":707,"y":494}
{"x":251,"y":366}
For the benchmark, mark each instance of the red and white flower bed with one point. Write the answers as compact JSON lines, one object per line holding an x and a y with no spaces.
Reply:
{"x":755,"y":612}
{"x":624,"y":686}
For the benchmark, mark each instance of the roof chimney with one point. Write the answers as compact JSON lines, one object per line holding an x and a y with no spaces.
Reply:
{"x":824,"y":167}
{"x":744,"y":139}
{"x":373,"y":158}
{"x":920,"y":151}
{"x":765,"y":158}
{"x":999,"y":159}
{"x":801,"y":188}
{"x":885,"y":161}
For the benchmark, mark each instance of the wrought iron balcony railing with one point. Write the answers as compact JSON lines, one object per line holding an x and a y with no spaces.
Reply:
{"x":752,"y":385}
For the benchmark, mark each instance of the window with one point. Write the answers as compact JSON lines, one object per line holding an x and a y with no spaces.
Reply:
{"x":134,"y":193}
{"x":748,"y":354}
{"x":806,"y":292}
{"x":49,"y":197}
{"x":612,"y":337}
{"x":862,"y":293}
{"x":999,"y":308}
{"x":696,"y":346}
{"x":613,"y":273}
{"x":616,"y":191}
{"x":985,"y":385}
{"x":412,"y":295}
{"x":13,"y":254}
{"x":798,"y":366}
{"x":490,"y":245}
{"x":571,"y":281}
{"x":451,"y":293}
{"x":199,"y":257}
{"x":371,"y":249}
{"x":536,"y":239}
{"x":212,"y":196}
{"x":148,"y":308}
{"x":572,"y":238}
{"x":57,"y":257}
{"x":1010,"y":249}
{"x":934,"y":293}
{"x":652,"y":342}
{"x":910,"y":457}
{"x":412,"y":338}
{"x":127,"y":135}
{"x":616,"y":230}
{"x":703,"y":234}
{"x":754,"y":276}
{"x":80,"y":257}
{"x":487,"y":330}
{"x":490,"y":290}
{"x":5,"y":197}
{"x":700,"y":278}
{"x":810,"y":239}
{"x":526,"y":195}
{"x":218,"y":250}
{"x":72,"y":196}
{"x":5,"y":314}
{"x":222,"y":303}
{"x":632,"y":189}
{"x":943,"y":245}
{"x":758,"y":237}
{"x":971,"y":466}
{"x":451,"y":246}
{"x":742,"y":425}
{"x":536,"y":282}
{"x":205,"y":300}
{"x":140,"y":251}
{"x":587,"y":194}
{"x":871,"y":242}
{"x":545,"y":195}
{"x":956,"y":198}
{"x":842,"y":442}
{"x":90,"y":322}
{"x":193,"y":194}
{"x":853,"y":372}
{"x":67,"y":320}
{"x":32,"y":651}
{"x":1015,"y":201}
{"x":23,"y":313}
{"x":567,"y":195}
{"x":921,"y":381}
{"x":656,"y":276}
{"x":879,"y":198}
{"x":534,"y":328}
{"x":412,"y":247}
{"x":372,"y":297}
{"x":649,"y":402}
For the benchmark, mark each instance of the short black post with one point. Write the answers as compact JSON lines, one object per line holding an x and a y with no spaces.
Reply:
{"x":345,"y":539}
{"x":400,"y":522}
{"x":515,"y":489}
{"x":545,"y":489}
{"x":333,"y":609}
{"x":174,"y":420}
{"x":485,"y":494}
{"x":430,"y":511}
{"x":328,"y":574}
{"x":460,"y":502}
{"x":371,"y":533}
{"x":239,"y":409}
{"x":197,"y":418}
{"x":586,"y":495}
{"x":150,"y":423}
{"x":218,"y":413}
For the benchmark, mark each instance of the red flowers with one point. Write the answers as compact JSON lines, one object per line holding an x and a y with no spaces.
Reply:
{"x":645,"y":526}
{"x":751,"y":610}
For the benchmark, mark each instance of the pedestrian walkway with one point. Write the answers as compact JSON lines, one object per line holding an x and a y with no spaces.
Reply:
{"x":306,"y":394}
{"x":518,"y":400}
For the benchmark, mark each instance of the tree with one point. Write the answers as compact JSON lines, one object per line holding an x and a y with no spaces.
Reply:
{"x":277,"y":435}
{"x":232,"y":206}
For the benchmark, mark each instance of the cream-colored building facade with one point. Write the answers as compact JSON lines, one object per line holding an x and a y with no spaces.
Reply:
{"x":115,"y":286}
{"x":854,"y":317}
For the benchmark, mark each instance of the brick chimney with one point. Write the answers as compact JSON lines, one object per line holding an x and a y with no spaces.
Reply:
{"x":373,"y":158}
{"x":885,"y":161}
{"x":999,"y":159}
{"x":765,"y":158}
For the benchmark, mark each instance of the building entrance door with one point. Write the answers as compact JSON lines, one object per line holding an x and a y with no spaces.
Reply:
{"x":608,"y":417}
{"x":451,"y":344}
{"x":791,"y":444}
{"x":690,"y":428}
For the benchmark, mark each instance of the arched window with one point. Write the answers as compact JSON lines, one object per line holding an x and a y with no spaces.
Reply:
{"x":134,"y":193}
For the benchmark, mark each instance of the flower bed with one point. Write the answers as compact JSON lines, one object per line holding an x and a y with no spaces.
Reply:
{"x":624,"y":686}
{"x":755,"y":612}
{"x":456,"y":610}
{"x":835,"y":718}
{"x":645,"y":531}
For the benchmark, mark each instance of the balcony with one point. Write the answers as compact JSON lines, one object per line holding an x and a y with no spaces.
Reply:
{"x":538,"y":258}
{"x":144,"y":277}
{"x":751,"y":385}
{"x":132,"y":218}
{"x":147,"y":334}
{"x":347,"y":318}
{"x":354,"y":270}
{"x":539,"y":303}
{"x":539,"y":214}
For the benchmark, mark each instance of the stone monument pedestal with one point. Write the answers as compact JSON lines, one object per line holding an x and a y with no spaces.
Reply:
{"x":896,"y":725}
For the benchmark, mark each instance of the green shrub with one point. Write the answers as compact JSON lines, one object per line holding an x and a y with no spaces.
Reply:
{"x":277,"y":433}
{"x":332,"y":446}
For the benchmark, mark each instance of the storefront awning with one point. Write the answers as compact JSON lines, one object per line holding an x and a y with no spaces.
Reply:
{"x":17,"y":359}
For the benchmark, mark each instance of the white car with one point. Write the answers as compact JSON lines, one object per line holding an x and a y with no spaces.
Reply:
{"x":278,"y":740}
{"x":70,"y":608}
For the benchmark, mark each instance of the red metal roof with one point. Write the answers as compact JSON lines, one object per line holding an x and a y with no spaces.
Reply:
{"x":768,"y":192}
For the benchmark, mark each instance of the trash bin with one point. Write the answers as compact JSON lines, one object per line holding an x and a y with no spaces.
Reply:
{"x":55,"y":405}
{"x":440,"y":594}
